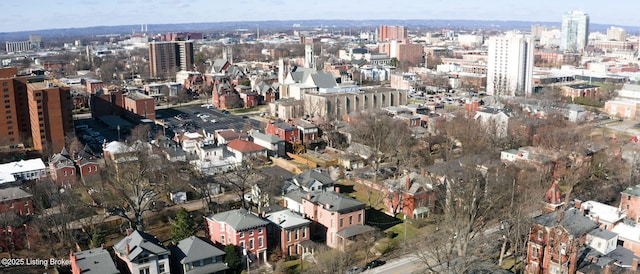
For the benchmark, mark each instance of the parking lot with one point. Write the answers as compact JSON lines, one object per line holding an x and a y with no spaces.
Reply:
{"x":196,"y":117}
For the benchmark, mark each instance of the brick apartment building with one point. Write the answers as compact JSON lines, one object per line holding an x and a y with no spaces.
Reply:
{"x":36,"y":110}
{"x":387,"y":32}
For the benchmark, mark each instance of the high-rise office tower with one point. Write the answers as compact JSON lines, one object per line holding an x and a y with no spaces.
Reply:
{"x":387,"y":33}
{"x":575,"y":31}
{"x":510,"y":65}
{"x":167,"y":58}
{"x":616,"y":34}
{"x":37,"y":111}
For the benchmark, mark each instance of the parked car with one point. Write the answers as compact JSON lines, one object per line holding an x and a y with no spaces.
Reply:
{"x":355,"y":270}
{"x":375,"y":263}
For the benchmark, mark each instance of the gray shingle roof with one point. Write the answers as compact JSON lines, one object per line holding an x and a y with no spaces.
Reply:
{"x":573,"y":221}
{"x":354,"y":230}
{"x":194,"y":249}
{"x":334,"y":201}
{"x":272,"y":139}
{"x":138,"y":242}
{"x":13,"y":193}
{"x":239,"y":219}
{"x":324,"y":80}
{"x":309,"y":177}
{"x":95,"y":260}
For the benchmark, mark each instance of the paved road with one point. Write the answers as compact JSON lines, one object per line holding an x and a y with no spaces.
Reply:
{"x":405,"y":265}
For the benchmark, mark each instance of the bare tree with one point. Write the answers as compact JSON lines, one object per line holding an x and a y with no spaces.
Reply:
{"x":242,"y":178}
{"x":133,"y":183}
{"x":468,"y":197}
{"x":378,"y":131}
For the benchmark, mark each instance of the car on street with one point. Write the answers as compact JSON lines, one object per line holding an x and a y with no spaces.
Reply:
{"x":355,"y":270}
{"x":375,"y":263}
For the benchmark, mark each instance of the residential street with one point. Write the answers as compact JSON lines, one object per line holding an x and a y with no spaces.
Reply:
{"x":405,"y":265}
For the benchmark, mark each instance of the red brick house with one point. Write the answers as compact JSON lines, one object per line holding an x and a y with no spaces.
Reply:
{"x":240,"y":228}
{"x":336,"y":218}
{"x":412,"y":195}
{"x":283,"y":130}
{"x":580,"y":90}
{"x":250,"y":99}
{"x":225,"y":96}
{"x":15,"y":200}
{"x":630,"y":202}
{"x":62,"y":168}
{"x":288,"y":230}
{"x":555,"y":241}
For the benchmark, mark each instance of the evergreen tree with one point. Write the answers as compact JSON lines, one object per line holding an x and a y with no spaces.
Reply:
{"x":97,"y":238}
{"x":232,"y":258}
{"x":184,"y":225}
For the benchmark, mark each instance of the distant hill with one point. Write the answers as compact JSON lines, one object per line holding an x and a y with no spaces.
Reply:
{"x":304,"y":24}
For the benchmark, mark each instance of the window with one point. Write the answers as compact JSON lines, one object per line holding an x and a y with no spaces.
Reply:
{"x":534,"y":251}
{"x":341,"y":222}
{"x":4,"y":84}
{"x":350,"y":219}
{"x":145,"y":270}
{"x":628,"y":197}
{"x":304,"y":232}
{"x":333,"y":222}
{"x":221,"y":226}
{"x":161,"y":268}
{"x":260,"y":242}
{"x":241,"y":234}
{"x":65,"y":173}
{"x":242,"y":244}
{"x":360,"y":218}
{"x":540,"y":233}
{"x":288,"y":236}
{"x":12,"y":205}
{"x":222,"y":240}
{"x":250,"y":232}
{"x":251,"y":244}
{"x":259,"y":230}
{"x":297,"y":232}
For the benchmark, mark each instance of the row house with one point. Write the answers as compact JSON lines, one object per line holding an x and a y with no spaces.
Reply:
{"x":289,"y":133}
{"x":141,"y":252}
{"x":66,"y":169}
{"x":240,"y":228}
{"x":288,"y":230}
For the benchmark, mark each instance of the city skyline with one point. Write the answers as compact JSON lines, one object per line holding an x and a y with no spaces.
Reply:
{"x":88,"y":13}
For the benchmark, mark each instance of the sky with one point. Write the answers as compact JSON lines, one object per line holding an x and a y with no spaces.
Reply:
{"x":49,"y":14}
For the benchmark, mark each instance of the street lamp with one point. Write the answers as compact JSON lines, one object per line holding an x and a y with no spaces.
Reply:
{"x":246,"y":255}
{"x":405,"y":230}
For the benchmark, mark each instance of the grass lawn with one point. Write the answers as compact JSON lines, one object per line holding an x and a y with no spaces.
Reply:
{"x":362,"y":193}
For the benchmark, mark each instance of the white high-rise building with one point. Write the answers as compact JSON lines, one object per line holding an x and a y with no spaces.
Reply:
{"x":616,"y":34}
{"x":309,"y":58}
{"x":510,"y":65}
{"x":575,"y":31}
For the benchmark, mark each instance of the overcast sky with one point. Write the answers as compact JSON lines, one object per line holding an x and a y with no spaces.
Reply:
{"x":47,"y":14}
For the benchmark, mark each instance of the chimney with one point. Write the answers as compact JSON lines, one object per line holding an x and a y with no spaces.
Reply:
{"x":578,"y":203}
{"x":407,"y":183}
{"x":337,"y":188}
{"x":634,"y":264}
